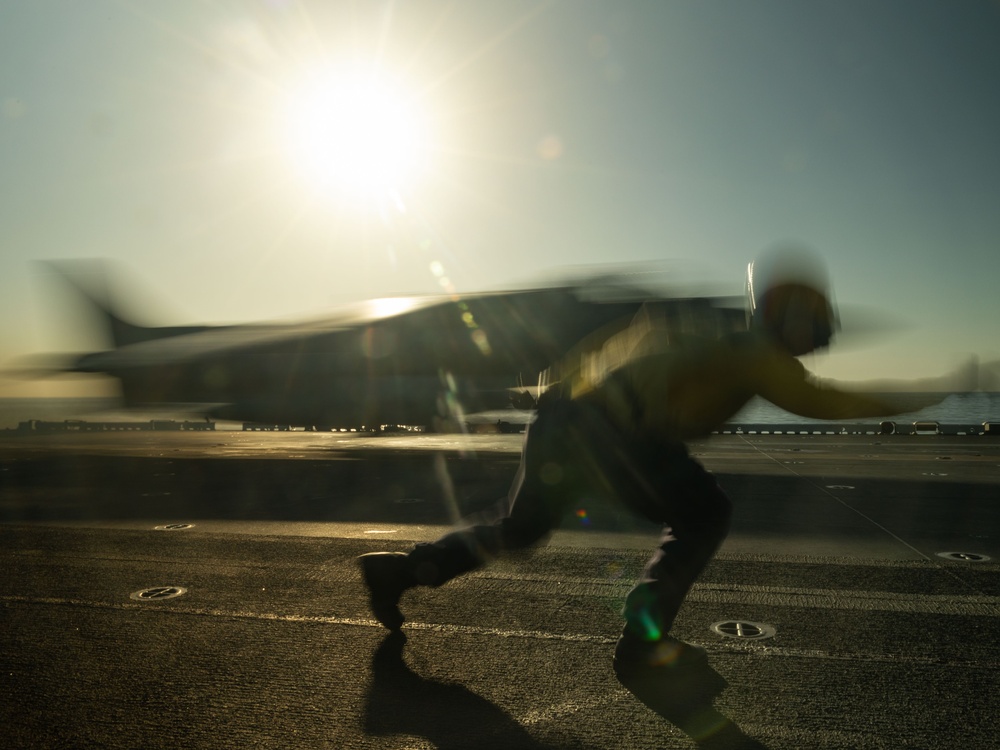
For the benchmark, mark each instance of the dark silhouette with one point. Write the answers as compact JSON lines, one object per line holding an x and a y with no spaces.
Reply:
{"x":615,"y":421}
{"x":449,"y":715}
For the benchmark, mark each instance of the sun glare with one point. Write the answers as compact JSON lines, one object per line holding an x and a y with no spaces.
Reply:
{"x":356,"y":135}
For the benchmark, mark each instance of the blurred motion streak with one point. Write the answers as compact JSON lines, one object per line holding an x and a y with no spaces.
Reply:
{"x":421,"y":361}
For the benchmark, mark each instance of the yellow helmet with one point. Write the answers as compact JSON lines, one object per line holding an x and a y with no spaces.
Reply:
{"x":788,"y":299}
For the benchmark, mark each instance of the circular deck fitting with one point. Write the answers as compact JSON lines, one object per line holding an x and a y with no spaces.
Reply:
{"x":744,"y":629}
{"x":964,"y":556}
{"x":157,"y":593}
{"x":173,"y":527}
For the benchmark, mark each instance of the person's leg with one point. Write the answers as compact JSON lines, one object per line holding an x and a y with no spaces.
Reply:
{"x":696,"y":513}
{"x":546,"y":481}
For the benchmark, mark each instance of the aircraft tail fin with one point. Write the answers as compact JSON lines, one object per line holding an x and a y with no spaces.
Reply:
{"x":91,"y":282}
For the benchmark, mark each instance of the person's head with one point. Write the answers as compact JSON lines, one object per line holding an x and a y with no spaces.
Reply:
{"x":788,"y":299}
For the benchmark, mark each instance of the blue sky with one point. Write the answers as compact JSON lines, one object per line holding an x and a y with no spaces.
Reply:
{"x":169,"y":136}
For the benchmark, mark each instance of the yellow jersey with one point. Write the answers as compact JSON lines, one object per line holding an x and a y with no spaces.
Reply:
{"x":653,"y":377}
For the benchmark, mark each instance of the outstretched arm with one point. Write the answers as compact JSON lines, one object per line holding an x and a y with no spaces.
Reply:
{"x":794,"y":390}
{"x":910,"y":395}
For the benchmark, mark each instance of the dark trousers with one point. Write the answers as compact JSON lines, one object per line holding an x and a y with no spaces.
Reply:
{"x":571,"y":452}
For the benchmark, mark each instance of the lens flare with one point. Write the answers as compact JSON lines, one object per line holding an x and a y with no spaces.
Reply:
{"x":666,"y":653}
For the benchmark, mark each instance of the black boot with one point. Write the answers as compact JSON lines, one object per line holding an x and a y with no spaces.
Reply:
{"x":387,"y":575}
{"x":639,"y":659}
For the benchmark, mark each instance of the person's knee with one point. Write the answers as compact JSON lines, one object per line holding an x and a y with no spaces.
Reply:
{"x":704,"y":524}
{"x":708,"y":506}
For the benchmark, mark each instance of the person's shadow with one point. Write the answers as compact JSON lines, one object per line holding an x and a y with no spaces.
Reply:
{"x":685,"y":698}
{"x":450,"y":716}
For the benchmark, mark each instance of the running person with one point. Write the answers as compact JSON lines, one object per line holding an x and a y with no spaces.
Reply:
{"x":617,"y":421}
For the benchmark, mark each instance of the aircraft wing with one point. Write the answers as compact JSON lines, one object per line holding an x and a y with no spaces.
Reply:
{"x":175,"y":346}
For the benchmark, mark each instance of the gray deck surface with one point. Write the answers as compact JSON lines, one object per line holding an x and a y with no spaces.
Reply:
{"x":879,"y":641}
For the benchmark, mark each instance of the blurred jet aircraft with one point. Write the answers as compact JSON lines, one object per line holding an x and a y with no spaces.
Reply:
{"x":422,"y":361}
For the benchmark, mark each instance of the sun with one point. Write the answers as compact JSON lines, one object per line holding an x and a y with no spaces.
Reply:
{"x":356,"y":134}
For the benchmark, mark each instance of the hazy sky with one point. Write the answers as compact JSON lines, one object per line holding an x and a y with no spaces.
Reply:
{"x":490,"y":142}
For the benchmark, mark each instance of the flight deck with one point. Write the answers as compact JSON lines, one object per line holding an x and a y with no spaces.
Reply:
{"x":197,"y":589}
